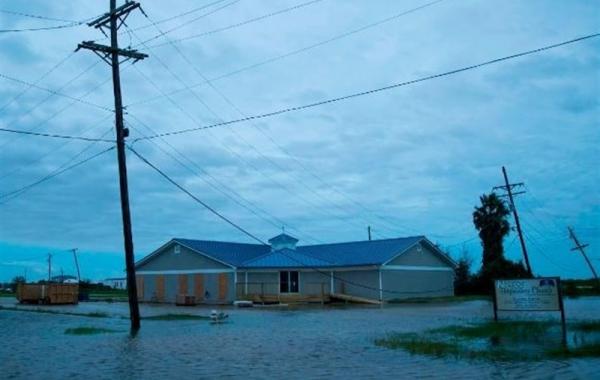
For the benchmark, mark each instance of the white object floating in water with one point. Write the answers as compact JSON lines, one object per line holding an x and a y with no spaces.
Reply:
{"x":218,"y":317}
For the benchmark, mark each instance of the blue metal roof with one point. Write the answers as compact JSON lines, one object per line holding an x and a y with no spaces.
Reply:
{"x":234,"y":254}
{"x":372,"y":252}
{"x":285,"y":258}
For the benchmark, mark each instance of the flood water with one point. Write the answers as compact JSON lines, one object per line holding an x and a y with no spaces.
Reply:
{"x":291,"y":343}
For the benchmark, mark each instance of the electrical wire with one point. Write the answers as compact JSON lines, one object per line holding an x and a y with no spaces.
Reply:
{"x":239,"y":136}
{"x":53,"y":92}
{"x":82,"y":138}
{"x":274,"y":221}
{"x":375,"y":90}
{"x":14,"y":13}
{"x":294,"y":52}
{"x":42,"y":77}
{"x":192,"y":20}
{"x":198,"y":200}
{"x":41,"y":157}
{"x":50,"y":176}
{"x":238,"y":24}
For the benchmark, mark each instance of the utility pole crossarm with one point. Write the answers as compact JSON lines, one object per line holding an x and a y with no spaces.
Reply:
{"x":107,"y":50}
{"x":123,"y":10}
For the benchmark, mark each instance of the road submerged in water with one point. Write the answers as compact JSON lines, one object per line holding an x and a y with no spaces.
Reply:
{"x":256,"y":343}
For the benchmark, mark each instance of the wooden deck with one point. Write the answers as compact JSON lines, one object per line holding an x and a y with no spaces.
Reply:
{"x":349,"y":298}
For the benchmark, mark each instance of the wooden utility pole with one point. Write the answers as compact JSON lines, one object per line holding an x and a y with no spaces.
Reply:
{"x":509,"y":189}
{"x":580,"y":247}
{"x":111,"y":54}
{"x":49,"y":266}
{"x":76,"y":264}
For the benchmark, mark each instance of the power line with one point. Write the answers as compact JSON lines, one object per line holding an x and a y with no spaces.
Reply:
{"x":180,"y":15}
{"x":238,"y":110}
{"x":41,"y":157}
{"x":192,"y":20}
{"x":205,"y":205}
{"x":297,"y":51}
{"x":238,"y":24}
{"x":62,"y":26}
{"x":50,"y":176}
{"x":376,"y":90}
{"x":56,"y":93}
{"x":231,"y":151}
{"x":82,"y":138}
{"x":15,"y":13}
{"x":275,"y":222}
{"x":42,"y":77}
{"x":250,"y":145}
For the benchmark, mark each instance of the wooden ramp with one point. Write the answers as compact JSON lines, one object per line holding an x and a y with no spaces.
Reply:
{"x":349,"y":298}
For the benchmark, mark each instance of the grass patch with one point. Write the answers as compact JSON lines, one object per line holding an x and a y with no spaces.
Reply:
{"x":497,"y":341}
{"x":176,"y":317}
{"x":416,"y":345}
{"x":88,"y":331}
{"x":583,"y":351}
{"x":8,"y":295}
{"x":587,"y":326}
{"x":449,"y":299}
{"x":512,"y":330}
{"x":93,"y":314}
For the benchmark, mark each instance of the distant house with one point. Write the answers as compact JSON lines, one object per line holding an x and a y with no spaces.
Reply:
{"x":221,"y":272}
{"x":65,"y":279}
{"x":116,"y":283}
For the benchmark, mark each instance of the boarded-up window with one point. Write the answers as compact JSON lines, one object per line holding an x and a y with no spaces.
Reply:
{"x":183,"y":284}
{"x":140,"y":286}
{"x":160,"y":288}
{"x":223,"y":286}
{"x":199,"y":287}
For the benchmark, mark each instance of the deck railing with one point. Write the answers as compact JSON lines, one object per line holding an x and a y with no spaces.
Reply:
{"x":270,"y":292}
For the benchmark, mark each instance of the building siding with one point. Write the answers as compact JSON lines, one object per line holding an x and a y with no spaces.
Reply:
{"x":424,"y":258}
{"x":359,"y":283}
{"x":187,"y":259}
{"x":402,"y":284}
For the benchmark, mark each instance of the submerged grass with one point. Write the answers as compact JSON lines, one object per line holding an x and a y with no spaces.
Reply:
{"x":428,"y":300}
{"x":496,"y":341}
{"x":93,"y":314}
{"x":512,"y":330}
{"x":176,"y":317}
{"x":88,"y":330}
{"x":587,"y":326}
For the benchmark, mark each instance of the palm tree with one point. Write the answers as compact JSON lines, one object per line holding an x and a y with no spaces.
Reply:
{"x":490,"y":219}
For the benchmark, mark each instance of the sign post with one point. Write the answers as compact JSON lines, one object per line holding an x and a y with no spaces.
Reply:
{"x":533,"y":294}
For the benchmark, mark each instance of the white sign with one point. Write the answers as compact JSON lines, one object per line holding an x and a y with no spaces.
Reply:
{"x":536,"y":294}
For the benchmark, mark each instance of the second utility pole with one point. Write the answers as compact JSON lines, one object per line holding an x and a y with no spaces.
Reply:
{"x":114,"y":19}
{"x":509,"y":187}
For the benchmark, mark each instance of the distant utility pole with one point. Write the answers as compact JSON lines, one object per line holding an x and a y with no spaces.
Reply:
{"x":508,"y":187}
{"x":76,"y":264}
{"x":111,"y":54}
{"x":369,"y":232}
{"x":580,"y":247}
{"x":49,"y":266}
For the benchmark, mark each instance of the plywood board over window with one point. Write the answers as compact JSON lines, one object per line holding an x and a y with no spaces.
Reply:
{"x":160,"y":288}
{"x":223,"y":286}
{"x":140,"y":286}
{"x":199,"y":287}
{"x":183,"y":284}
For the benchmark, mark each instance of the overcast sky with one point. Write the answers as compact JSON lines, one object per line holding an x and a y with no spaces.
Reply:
{"x":409,"y":161}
